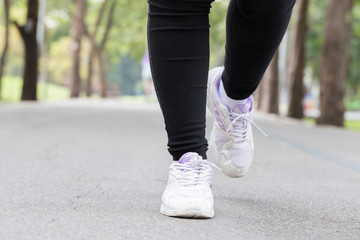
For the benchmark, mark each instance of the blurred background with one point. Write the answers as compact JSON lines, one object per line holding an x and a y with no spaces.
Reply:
{"x":61,"y":49}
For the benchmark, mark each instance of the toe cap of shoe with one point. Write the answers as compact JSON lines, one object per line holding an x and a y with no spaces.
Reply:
{"x":241,"y":157}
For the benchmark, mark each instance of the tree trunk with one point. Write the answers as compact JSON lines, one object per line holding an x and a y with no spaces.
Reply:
{"x":100,"y":49}
{"x":90,"y":73}
{"x":297,"y":61}
{"x":6,"y":45}
{"x":103,"y":85}
{"x":28,"y":34}
{"x":332,"y":82}
{"x":77,"y":31}
{"x":349,"y":33}
{"x":92,"y":48}
{"x":269,"y":94}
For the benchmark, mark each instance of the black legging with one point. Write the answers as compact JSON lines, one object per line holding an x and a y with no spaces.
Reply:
{"x":178,"y":39}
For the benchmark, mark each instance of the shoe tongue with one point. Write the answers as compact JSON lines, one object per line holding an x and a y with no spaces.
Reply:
{"x":187,"y":157}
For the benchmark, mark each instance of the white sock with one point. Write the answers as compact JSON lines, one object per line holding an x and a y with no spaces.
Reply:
{"x":232,"y":103}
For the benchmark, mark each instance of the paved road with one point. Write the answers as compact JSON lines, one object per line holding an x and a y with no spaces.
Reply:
{"x":97,"y":169}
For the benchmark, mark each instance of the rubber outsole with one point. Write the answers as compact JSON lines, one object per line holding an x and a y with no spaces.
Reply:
{"x":186,"y":213}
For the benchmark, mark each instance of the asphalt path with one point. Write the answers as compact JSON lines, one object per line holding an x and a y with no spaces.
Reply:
{"x":97,"y":169}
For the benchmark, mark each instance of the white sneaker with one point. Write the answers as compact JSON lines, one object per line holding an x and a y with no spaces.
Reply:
{"x":231,"y":143}
{"x":188,"y":192}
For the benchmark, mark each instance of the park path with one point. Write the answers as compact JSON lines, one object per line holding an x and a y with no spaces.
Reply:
{"x":84,"y":169}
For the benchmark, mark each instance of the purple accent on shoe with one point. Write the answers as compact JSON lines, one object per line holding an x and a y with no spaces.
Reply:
{"x":217,"y":89}
{"x":187,"y":157}
{"x":218,"y":118}
{"x":246,"y":107}
{"x":251,"y":100}
{"x":221,"y":138}
{"x":208,"y":180}
{"x":216,"y":111}
{"x":241,"y":108}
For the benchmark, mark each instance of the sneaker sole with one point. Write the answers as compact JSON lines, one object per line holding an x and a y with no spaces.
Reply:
{"x":186,"y":213}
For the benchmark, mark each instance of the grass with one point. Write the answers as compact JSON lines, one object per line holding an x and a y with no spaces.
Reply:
{"x":11,"y":90}
{"x":349,"y":124}
{"x":353,"y":125}
{"x":309,"y":120}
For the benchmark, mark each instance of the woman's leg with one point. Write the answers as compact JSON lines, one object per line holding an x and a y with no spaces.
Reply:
{"x":254,"y":30}
{"x":253,"y":33}
{"x":178,"y":39}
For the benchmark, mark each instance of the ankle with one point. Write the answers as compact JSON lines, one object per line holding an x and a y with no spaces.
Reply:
{"x":229,"y":102}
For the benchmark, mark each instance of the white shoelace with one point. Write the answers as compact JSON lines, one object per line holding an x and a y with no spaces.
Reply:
{"x":191,"y":171}
{"x":240,"y":127}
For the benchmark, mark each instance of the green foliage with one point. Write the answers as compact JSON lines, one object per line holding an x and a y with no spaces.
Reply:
{"x":353,"y":105}
{"x":18,"y":10}
{"x":217,"y":32}
{"x":14,"y":59}
{"x":128,"y":38}
{"x":58,"y":24}
{"x":59,"y":61}
{"x":127,"y":75}
{"x":60,"y":4}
